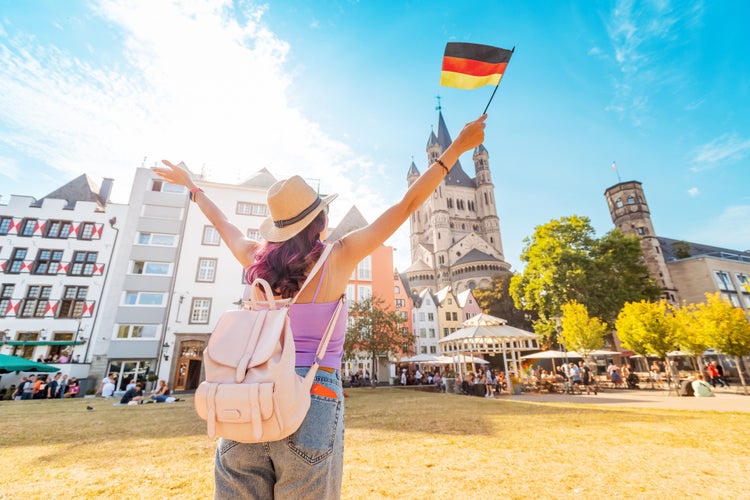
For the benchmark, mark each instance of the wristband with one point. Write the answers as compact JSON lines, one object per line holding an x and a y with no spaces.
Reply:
{"x":194,"y":192}
{"x":440,"y":162}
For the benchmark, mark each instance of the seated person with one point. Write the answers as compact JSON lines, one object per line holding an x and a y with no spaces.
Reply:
{"x":701,"y":388}
{"x":134,"y":394}
{"x":161,"y":394}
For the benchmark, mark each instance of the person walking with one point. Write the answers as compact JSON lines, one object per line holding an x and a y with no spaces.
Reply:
{"x":309,"y":463}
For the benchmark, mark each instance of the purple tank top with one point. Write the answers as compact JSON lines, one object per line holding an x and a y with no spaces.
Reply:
{"x":309,"y":322}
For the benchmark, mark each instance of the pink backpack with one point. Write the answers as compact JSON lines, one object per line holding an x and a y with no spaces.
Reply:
{"x":252,"y":393}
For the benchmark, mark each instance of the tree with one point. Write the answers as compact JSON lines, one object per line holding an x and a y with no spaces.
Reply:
{"x":579,"y":331}
{"x":375,"y":330}
{"x":497,"y":301}
{"x":726,"y":328}
{"x":566,"y":262}
{"x":649,"y":328}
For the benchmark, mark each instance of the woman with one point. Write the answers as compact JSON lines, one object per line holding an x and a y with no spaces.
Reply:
{"x":309,"y":463}
{"x":161,"y":393}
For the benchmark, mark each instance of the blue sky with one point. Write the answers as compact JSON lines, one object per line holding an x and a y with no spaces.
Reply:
{"x":345,"y":92}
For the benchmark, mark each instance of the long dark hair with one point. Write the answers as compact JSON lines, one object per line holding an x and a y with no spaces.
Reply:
{"x":283,"y":264}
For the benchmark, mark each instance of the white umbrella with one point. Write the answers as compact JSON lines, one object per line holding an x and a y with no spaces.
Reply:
{"x":600,"y":352}
{"x":462,"y":358}
{"x":421,"y":358}
{"x":552,"y":354}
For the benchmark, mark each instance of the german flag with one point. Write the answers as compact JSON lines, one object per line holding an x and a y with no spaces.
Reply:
{"x":470,"y":65}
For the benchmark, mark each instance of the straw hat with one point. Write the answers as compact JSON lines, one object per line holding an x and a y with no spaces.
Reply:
{"x":293,"y":205}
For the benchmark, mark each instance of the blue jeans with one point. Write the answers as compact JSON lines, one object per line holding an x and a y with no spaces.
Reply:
{"x":307,"y":464}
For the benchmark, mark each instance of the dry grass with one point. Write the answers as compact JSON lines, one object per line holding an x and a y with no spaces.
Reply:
{"x":399,"y":444}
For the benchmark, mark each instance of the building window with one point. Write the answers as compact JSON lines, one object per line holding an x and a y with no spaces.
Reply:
{"x":166,"y":187}
{"x":210,"y":236}
{"x":144,"y":299}
{"x":5,"y":223}
{"x":83,"y":264}
{"x":631,"y":200}
{"x":86,"y":231}
{"x":723,"y":281}
{"x":206,"y":270}
{"x":433,"y":349}
{"x":447,"y":316}
{"x":400,"y":303}
{"x":47,"y":261}
{"x":732,"y":298}
{"x":350,"y":293}
{"x":396,"y":290}
{"x":27,"y":227}
{"x":455,"y":316}
{"x":364,"y":292}
{"x":246,"y":208}
{"x":253,"y":235}
{"x":137,"y":331}
{"x":14,"y":265}
{"x":35,"y":302}
{"x":58,"y":229}
{"x":73,"y":302}
{"x":151,"y":268}
{"x":157,"y":239}
{"x":364,"y":269}
{"x":744,"y":281}
{"x":432,"y":333}
{"x":6,"y":293}
{"x":200,"y":310}
{"x":423,"y":333}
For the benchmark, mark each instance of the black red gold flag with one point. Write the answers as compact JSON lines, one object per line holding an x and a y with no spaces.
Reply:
{"x":471,"y":65}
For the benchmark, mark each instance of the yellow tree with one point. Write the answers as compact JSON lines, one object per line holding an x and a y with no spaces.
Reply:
{"x":690,"y":335}
{"x":726,"y":327}
{"x":579,"y":331}
{"x":649,"y":328}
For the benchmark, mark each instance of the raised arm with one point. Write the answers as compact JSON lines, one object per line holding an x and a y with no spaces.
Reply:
{"x":242,"y":248}
{"x":359,"y":244}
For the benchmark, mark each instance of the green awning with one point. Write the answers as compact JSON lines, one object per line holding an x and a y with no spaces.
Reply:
{"x":44,"y":342}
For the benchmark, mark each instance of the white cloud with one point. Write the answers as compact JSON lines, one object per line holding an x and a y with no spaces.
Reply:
{"x":727,"y":148}
{"x":638,"y":32}
{"x":9,"y":168}
{"x":693,"y":191}
{"x":730,"y":229}
{"x":201,"y":83}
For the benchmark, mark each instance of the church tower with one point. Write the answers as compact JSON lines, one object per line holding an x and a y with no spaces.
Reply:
{"x":630,"y":212}
{"x":455,"y":234}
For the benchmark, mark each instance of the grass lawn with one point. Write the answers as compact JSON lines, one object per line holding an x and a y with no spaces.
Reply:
{"x":399,"y":444}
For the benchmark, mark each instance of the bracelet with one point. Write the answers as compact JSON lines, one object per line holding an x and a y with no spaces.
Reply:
{"x":440,"y":162}
{"x":194,"y":192}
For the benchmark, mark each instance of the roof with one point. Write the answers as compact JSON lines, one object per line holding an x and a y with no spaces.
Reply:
{"x":82,"y":188}
{"x":419,"y":265}
{"x":457,"y":176}
{"x":260,"y":179}
{"x":462,"y":297}
{"x":443,"y":293}
{"x":352,"y":221}
{"x":669,"y":250}
{"x":413,"y":170}
{"x":475,"y":255}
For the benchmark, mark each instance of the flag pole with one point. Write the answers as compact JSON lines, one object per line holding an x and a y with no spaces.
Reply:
{"x":498,"y":83}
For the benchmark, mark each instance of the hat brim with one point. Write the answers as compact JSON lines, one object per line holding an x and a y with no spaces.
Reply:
{"x":273,"y":234}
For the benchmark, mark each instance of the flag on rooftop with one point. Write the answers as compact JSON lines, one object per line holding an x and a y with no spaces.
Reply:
{"x":471,"y":65}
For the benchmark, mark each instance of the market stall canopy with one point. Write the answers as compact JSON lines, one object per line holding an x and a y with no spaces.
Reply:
{"x":488,"y":335}
{"x":10,"y":364}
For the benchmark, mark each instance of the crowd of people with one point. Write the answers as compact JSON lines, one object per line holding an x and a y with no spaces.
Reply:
{"x":45,"y":387}
{"x":61,"y":358}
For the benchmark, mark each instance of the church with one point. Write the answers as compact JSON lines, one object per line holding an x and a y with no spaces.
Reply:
{"x":455,"y":234}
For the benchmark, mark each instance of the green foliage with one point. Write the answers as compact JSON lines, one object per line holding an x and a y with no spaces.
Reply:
{"x":681,"y":249}
{"x":579,"y":331}
{"x":566,"y":262}
{"x":375,"y":330}
{"x":648,"y":328}
{"x":497,"y":301}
